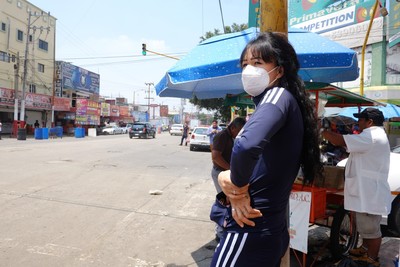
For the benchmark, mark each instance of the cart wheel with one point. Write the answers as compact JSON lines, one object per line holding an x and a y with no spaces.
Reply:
{"x":344,"y":235}
{"x":394,"y":216}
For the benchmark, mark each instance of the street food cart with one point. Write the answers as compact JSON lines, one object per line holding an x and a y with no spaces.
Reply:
{"x":327,"y":196}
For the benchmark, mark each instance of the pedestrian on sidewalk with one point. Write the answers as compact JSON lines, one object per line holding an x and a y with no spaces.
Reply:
{"x":212,"y":131}
{"x":185,"y":134}
{"x":366,"y":190}
{"x":1,"y":129}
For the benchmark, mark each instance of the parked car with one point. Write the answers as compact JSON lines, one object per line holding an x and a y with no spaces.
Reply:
{"x":112,"y":130}
{"x":176,"y":129}
{"x":142,"y":129}
{"x":396,"y":149}
{"x":126,"y":128}
{"x":199,"y":139}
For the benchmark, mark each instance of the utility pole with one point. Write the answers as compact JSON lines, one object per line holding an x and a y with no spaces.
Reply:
{"x":274,"y":18}
{"x":22,"y":116}
{"x":16,"y":97}
{"x":148,"y":97}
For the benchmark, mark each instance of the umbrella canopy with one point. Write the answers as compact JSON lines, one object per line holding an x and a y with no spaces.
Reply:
{"x":212,"y":70}
{"x":389,"y":111}
{"x":338,"y":97}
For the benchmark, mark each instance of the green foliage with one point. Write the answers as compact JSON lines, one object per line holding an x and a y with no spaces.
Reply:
{"x":222,"y":112}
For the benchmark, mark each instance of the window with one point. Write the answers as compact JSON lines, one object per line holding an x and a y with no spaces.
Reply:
{"x":32,"y":88}
{"x":40,"y":67}
{"x":43,"y":45}
{"x":3,"y":27}
{"x":4,"y":56}
{"x":20,"y":35}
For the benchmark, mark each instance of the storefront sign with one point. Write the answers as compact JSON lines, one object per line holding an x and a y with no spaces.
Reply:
{"x":62,"y":103}
{"x":105,"y":109}
{"x":37,"y":101}
{"x":6,"y":97}
{"x":300,"y":203}
{"x":124,"y":111}
{"x":394,"y":23}
{"x":114,"y":111}
{"x":323,"y":16}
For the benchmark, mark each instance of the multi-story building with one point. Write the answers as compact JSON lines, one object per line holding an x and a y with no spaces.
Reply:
{"x":27,"y":63}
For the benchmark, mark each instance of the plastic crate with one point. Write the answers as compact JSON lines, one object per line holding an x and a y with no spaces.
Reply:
{"x":318,"y":200}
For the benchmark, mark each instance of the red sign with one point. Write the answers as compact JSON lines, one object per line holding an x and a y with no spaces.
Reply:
{"x":37,"y":101}
{"x":62,"y":103}
{"x":6,"y":97}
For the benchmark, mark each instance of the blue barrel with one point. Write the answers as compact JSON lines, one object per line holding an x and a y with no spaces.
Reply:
{"x":79,"y":132}
{"x":45,"y":132}
{"x":59,"y":131}
{"x":38,"y":133}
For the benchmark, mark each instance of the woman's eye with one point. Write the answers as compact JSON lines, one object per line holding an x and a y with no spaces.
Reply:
{"x":244,"y":65}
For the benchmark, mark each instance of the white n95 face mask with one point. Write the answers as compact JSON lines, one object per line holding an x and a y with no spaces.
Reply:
{"x":255,"y":79}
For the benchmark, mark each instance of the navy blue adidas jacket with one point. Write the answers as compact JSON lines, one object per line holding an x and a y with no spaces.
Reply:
{"x":266,"y":155}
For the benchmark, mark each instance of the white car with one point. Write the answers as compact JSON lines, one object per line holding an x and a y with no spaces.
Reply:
{"x":176,"y":129}
{"x":112,"y":130}
{"x":393,"y":220}
{"x":199,"y":139}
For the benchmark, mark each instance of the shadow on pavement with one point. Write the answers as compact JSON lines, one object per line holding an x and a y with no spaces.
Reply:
{"x":202,"y":256}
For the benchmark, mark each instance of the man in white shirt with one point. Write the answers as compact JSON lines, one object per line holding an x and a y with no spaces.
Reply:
{"x":367,"y":190}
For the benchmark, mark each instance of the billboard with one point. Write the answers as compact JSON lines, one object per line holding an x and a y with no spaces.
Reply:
{"x":326,"y":15}
{"x":69,"y":76}
{"x":394,"y":23}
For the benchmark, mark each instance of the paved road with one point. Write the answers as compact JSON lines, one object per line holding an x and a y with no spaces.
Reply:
{"x":86,"y":202}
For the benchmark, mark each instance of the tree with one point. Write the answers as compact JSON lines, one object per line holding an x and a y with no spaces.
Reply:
{"x":222,"y":111}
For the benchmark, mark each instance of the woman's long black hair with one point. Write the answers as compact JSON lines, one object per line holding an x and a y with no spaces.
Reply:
{"x":275,"y":47}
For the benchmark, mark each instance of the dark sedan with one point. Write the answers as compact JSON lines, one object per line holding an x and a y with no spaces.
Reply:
{"x":142,"y":129}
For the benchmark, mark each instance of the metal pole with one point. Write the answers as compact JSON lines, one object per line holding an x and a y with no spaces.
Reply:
{"x":274,"y":18}
{"x":22,"y":116}
{"x":16,"y":80}
{"x":148,"y":98}
{"x":364,"y":46}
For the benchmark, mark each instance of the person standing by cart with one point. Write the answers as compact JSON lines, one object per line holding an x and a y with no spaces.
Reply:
{"x":280,"y":137}
{"x":221,"y":156}
{"x":366,"y":190}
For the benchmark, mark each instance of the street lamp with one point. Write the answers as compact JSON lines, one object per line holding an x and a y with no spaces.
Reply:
{"x":148,"y":98}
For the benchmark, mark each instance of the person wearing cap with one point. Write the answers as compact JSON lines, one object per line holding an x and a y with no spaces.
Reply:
{"x":366,"y":190}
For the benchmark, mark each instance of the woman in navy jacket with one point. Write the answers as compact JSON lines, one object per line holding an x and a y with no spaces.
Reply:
{"x":280,"y":137}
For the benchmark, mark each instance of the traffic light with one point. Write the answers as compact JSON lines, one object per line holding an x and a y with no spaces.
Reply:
{"x":144,"y":49}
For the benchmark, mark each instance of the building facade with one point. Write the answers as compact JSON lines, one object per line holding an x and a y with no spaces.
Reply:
{"x":27,"y":63}
{"x":347,"y":22}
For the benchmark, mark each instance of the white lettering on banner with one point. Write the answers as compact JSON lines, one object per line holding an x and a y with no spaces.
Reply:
{"x":329,"y":22}
{"x":354,"y":35}
{"x":299,"y":209}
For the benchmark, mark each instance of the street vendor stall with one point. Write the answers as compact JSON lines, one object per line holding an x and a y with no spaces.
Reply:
{"x":326,"y":204}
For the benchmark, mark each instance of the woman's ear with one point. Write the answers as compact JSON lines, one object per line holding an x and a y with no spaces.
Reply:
{"x":280,"y":72}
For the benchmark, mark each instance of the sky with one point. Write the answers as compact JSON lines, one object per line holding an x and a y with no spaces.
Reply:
{"x":106,"y":37}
